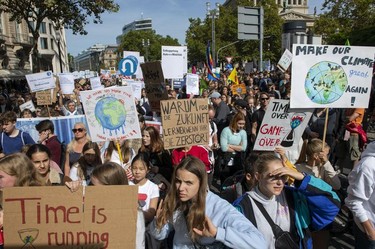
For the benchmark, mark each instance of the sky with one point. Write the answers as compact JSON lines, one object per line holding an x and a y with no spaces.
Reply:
{"x":169,"y":17}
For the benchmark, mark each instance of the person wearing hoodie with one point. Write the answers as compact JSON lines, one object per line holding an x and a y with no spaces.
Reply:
{"x":361,"y":198}
{"x":309,"y":205}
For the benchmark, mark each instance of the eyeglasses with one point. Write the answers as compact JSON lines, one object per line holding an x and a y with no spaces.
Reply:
{"x":256,"y":88}
{"x":79,"y":130}
{"x":264,"y":98}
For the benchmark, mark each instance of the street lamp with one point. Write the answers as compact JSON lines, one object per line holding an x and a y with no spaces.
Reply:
{"x":213,"y":14}
{"x":58,"y":38}
{"x":146,"y":45}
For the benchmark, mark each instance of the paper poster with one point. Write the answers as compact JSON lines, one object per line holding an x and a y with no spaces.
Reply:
{"x":281,"y":126}
{"x":111,"y":113}
{"x":27,"y":105}
{"x":192,"y":84}
{"x":51,"y":217}
{"x":185,"y":122}
{"x":174,"y":61}
{"x":66,"y":83}
{"x":154,"y":84}
{"x":95,"y":83}
{"x":137,"y":88}
{"x":40,"y":81}
{"x":331,"y":76}
{"x":285,"y":60}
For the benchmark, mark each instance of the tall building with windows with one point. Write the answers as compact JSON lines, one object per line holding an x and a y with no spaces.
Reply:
{"x":89,"y":59}
{"x":142,"y":24}
{"x":16,"y":45}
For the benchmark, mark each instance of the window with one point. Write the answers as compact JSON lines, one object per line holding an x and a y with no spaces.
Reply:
{"x":43,"y":29}
{"x":32,"y":24}
{"x":43,"y":43}
{"x":1,"y":23}
{"x":50,"y":29}
{"x":52,"y":44}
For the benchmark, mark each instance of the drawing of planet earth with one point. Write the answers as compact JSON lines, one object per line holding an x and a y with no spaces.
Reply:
{"x":110,"y":113}
{"x":325,"y":82}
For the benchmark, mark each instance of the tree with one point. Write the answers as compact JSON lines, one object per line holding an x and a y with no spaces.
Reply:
{"x":346,"y":19}
{"x":71,"y":14}
{"x":132,"y":41}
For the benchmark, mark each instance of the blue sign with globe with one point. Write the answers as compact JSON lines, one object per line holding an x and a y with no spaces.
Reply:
{"x":111,"y":114}
{"x":325,"y":82}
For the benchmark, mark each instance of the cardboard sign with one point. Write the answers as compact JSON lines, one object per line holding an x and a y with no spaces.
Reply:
{"x":185,"y":122}
{"x":285,"y":60}
{"x":331,"y":76}
{"x":47,"y":217}
{"x":281,"y":126}
{"x":154,"y":83}
{"x":111,"y":113}
{"x":40,"y":81}
{"x":44,"y":97}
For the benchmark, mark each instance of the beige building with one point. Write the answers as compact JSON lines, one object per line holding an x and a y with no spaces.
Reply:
{"x":16,"y":47}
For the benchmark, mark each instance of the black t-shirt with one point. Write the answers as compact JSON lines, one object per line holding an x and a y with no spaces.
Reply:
{"x":258,"y":116}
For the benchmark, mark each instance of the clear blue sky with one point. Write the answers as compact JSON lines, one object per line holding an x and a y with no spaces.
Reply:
{"x":169,"y":17}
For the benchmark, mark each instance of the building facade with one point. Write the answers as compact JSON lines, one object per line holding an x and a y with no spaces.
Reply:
{"x":16,"y":45}
{"x":89,"y":59}
{"x":142,"y":24}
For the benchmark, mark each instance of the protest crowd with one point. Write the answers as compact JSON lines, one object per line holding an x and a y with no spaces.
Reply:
{"x":222,"y":194}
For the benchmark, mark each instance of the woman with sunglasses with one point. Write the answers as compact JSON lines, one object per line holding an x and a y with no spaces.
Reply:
{"x":74,"y":148}
{"x":82,"y":169}
{"x":309,"y":204}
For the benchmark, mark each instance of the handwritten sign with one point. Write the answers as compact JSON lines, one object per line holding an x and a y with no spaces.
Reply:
{"x":27,"y":105}
{"x":111,"y":113}
{"x":285,"y":60}
{"x":192,"y":84}
{"x":40,"y":81}
{"x":331,"y":76}
{"x":154,"y":83}
{"x":281,"y":126}
{"x":95,"y":83}
{"x":66,"y":83}
{"x":106,"y":217}
{"x":44,"y":97}
{"x":185,"y":122}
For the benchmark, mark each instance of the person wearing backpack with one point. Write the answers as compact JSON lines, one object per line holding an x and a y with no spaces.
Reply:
{"x":47,"y":137}
{"x":11,"y":139}
{"x":285,"y":214}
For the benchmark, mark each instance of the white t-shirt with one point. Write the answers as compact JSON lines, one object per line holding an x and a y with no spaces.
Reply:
{"x":150,"y":189}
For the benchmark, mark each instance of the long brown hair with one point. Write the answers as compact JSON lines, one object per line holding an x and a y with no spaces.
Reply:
{"x":110,"y":173}
{"x":125,"y":151}
{"x":194,"y":211}
{"x":156,"y":143}
{"x":233,"y":123}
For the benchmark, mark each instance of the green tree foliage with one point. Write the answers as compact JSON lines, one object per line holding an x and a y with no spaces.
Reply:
{"x":132,"y":41}
{"x":71,"y":14}
{"x":199,"y":32}
{"x":347,"y":19}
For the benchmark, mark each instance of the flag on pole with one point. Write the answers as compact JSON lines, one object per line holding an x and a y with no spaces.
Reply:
{"x":233,"y":77}
{"x":210,"y":63}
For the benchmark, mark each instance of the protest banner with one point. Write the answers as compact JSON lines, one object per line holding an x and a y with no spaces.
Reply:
{"x":185,"y":122}
{"x":331,"y":76}
{"x":44,"y":97}
{"x":111,"y":113}
{"x":40,"y":81}
{"x":27,"y":105}
{"x":66,"y":83}
{"x":285,"y":60}
{"x":49,"y":217}
{"x":192,"y":84}
{"x":154,"y":83}
{"x":174,"y":61}
{"x":281,"y":126}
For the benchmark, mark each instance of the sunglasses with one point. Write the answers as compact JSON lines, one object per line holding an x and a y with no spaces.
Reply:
{"x":256,"y":88}
{"x":264,"y":98}
{"x":79,"y":130}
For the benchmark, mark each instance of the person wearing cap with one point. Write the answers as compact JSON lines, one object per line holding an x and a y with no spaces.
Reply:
{"x":221,"y":111}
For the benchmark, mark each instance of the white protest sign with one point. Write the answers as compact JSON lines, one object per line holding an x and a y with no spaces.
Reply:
{"x":27,"y":105}
{"x":281,"y":126}
{"x":192,"y":84}
{"x":111,"y":113}
{"x":174,"y":61}
{"x":66,"y":83}
{"x":40,"y":81}
{"x":331,"y":76}
{"x":285,"y":60}
{"x":137,"y":88}
{"x":95,"y":83}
